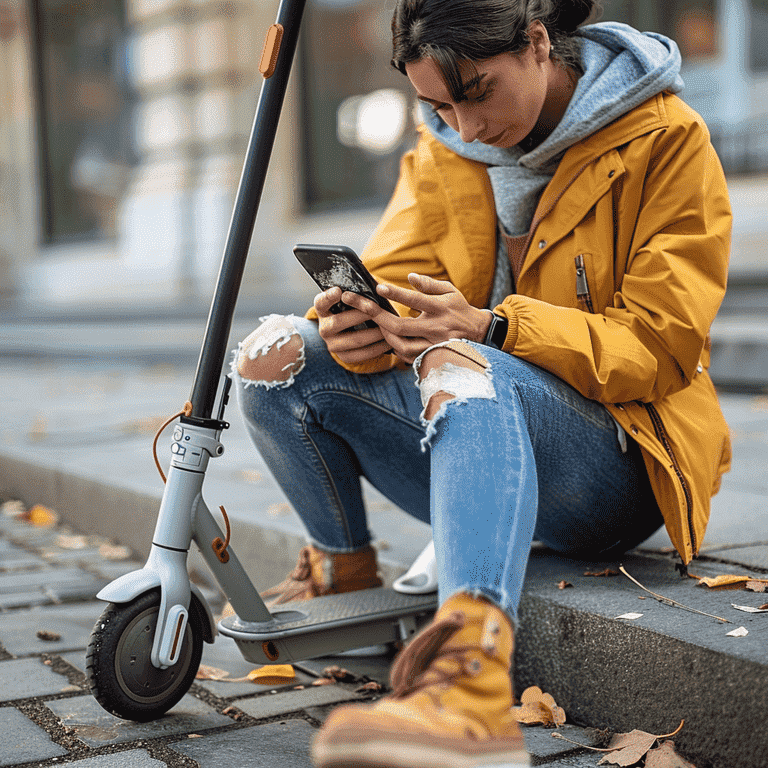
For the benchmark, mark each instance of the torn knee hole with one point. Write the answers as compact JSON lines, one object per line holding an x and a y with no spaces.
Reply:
{"x":453,"y":371}
{"x":434,"y":403}
{"x":272,"y":354}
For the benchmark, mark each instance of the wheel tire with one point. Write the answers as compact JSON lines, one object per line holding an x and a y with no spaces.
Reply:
{"x":120,"y":673}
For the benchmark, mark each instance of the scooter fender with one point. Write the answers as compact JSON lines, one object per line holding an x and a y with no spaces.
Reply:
{"x":131,"y":585}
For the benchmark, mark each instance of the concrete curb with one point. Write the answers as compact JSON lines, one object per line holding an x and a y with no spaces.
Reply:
{"x":128,"y":516}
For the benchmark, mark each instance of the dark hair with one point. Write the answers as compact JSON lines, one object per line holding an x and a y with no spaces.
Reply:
{"x":456,"y":32}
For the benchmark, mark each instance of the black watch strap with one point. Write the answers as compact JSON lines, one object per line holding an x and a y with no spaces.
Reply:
{"x":497,"y":331}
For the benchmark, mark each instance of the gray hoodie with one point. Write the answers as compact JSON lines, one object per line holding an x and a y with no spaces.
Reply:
{"x":622,"y":69}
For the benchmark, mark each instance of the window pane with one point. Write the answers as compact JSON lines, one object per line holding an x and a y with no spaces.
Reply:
{"x":692,"y":24}
{"x":356,"y":107}
{"x":758,"y":49}
{"x":85,"y":110}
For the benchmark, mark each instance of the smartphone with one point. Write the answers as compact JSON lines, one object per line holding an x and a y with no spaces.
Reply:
{"x":338,"y":265}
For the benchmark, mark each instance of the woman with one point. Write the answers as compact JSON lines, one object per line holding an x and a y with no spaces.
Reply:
{"x":557,"y":248}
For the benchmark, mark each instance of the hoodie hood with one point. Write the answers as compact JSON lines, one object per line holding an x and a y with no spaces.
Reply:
{"x":622,"y":69}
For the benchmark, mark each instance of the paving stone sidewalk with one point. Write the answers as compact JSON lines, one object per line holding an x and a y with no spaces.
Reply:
{"x":48,"y":580}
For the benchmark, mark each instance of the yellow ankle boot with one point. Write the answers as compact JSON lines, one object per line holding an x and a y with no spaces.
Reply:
{"x":322,"y":573}
{"x":450,"y":704}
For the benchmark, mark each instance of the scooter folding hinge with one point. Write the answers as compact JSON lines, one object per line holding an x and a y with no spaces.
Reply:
{"x":173,"y":636}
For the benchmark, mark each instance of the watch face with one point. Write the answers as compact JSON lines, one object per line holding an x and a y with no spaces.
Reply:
{"x":499,"y":332}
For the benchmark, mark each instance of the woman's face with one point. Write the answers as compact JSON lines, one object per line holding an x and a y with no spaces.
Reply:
{"x":512,"y":95}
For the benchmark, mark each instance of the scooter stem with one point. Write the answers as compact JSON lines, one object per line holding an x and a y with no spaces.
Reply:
{"x":279,"y":51}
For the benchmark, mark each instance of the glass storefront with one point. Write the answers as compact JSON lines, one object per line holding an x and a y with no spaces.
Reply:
{"x":356,"y":109}
{"x":84,"y":107}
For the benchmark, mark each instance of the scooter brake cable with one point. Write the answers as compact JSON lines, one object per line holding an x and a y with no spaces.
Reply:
{"x":218,"y":546}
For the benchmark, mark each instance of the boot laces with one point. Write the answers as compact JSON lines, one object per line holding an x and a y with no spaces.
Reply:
{"x":428,"y":663}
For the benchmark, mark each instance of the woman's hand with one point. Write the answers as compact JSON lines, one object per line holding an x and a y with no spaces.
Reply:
{"x":349,"y":346}
{"x":444,"y":314}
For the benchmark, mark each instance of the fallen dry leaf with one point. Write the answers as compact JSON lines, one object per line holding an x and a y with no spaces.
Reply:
{"x":13,"y":508}
{"x":628,"y":748}
{"x":324,"y":681}
{"x":604,"y":572}
{"x":740,"y":632}
{"x":40,"y":516}
{"x":664,"y":756}
{"x":47,"y":635}
{"x":114,"y":552}
{"x":630,"y":616}
{"x":204,"y":672}
{"x":369,"y":686}
{"x":538,"y":708}
{"x":71,"y":541}
{"x":564,"y":584}
{"x":338,"y":673}
{"x":725,"y":581}
{"x":271,"y":674}
{"x":757,"y":585}
{"x":749,"y":608}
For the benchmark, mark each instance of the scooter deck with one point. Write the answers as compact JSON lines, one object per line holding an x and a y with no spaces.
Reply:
{"x":328,"y":625}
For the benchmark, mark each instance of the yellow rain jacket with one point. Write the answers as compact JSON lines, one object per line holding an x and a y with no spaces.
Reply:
{"x":643,"y":205}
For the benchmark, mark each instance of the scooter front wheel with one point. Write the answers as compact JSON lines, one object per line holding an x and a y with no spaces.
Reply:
{"x":120,"y":672}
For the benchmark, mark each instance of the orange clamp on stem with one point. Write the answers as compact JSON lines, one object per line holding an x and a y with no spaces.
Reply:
{"x":271,"y":50}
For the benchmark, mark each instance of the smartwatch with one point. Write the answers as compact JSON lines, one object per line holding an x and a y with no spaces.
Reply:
{"x":497,"y":331}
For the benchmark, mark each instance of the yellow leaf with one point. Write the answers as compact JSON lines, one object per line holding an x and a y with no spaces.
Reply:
{"x":534,"y":693}
{"x":538,"y":707}
{"x":272,"y":674}
{"x":727,"y":580}
{"x":41,"y":516}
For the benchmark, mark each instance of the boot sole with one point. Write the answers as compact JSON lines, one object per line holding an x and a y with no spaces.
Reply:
{"x":413,"y":753}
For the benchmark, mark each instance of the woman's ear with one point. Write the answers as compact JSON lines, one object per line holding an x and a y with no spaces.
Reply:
{"x":539,"y":41}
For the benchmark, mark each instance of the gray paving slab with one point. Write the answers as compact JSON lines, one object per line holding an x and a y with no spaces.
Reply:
{"x":75,"y":659}
{"x":111,"y":570}
{"x":133,"y":758}
{"x":72,"y":582}
{"x":270,"y":705}
{"x":23,"y":678}
{"x":96,"y":727}
{"x":23,"y":741}
{"x":15,"y":558}
{"x":25,"y":600}
{"x":264,"y":746}
{"x":73,"y":623}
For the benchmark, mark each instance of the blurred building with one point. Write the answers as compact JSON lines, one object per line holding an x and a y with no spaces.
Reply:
{"x":123,"y":125}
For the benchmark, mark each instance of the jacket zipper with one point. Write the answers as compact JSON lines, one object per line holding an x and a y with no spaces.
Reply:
{"x":582,"y":286}
{"x":661,"y":434}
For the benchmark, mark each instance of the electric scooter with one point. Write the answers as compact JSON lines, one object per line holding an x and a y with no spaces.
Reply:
{"x":145,"y":649}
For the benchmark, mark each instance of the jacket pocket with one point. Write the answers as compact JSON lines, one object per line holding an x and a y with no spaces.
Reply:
{"x":583,"y":292}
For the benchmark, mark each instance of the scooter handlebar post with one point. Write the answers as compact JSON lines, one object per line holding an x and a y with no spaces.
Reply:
{"x":279,"y":53}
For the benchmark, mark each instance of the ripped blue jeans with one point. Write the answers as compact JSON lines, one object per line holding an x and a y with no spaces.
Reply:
{"x":517,"y":455}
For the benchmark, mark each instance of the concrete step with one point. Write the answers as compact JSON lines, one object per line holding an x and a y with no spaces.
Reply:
{"x":740,"y":351}
{"x":668,"y":665}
